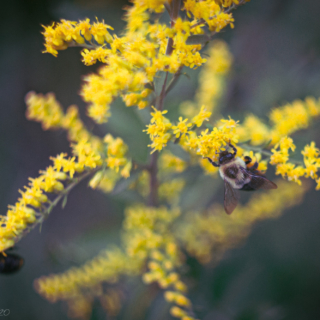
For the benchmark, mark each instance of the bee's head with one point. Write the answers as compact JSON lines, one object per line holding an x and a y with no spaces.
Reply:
{"x":225,"y":156}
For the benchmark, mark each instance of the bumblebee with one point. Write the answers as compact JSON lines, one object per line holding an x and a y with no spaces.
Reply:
{"x":238,"y":176}
{"x":10,"y":263}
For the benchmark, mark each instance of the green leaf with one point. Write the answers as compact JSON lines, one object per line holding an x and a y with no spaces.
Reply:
{"x":176,"y":150}
{"x":64,"y":201}
{"x":48,"y":211}
{"x":127,"y":123}
{"x":123,"y":183}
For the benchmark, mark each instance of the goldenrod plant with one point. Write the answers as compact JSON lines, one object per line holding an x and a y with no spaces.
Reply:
{"x":141,"y":65}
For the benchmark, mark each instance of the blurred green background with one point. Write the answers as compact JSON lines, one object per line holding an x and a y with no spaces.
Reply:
{"x":274,"y":275}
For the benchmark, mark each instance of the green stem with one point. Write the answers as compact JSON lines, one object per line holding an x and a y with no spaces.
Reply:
{"x":174,"y":14}
{"x":153,"y":167}
{"x":163,"y":93}
{"x":52,"y":204}
{"x":84,"y":45}
{"x":256,"y":149}
{"x":153,"y":181}
{"x":173,"y":80}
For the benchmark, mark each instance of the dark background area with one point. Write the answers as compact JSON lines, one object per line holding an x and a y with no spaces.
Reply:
{"x":276,"y":47}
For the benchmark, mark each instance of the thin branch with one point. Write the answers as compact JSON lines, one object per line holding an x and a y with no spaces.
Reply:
{"x":175,"y":5}
{"x":163,"y":93}
{"x":174,"y":80}
{"x":256,"y":149}
{"x":170,"y":86}
{"x":44,"y":215}
{"x":168,"y":8}
{"x":153,"y":171}
{"x":174,"y":14}
{"x":83,"y":45}
{"x":153,"y":168}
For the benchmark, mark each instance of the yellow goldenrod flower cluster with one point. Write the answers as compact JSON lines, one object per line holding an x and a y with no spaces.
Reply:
{"x":105,"y":180}
{"x":210,"y":142}
{"x":181,"y":128}
{"x":170,"y":163}
{"x":293,"y":117}
{"x":150,"y":236}
{"x":289,"y":118}
{"x":158,"y":130}
{"x":212,"y":75}
{"x":33,"y":206}
{"x":212,"y":80}
{"x":48,"y":111}
{"x":293,"y":172}
{"x":207,"y":144}
{"x":116,"y":155}
{"x":147,"y":228}
{"x":80,"y":306}
{"x":170,"y":186}
{"x":255,"y":130}
{"x":147,"y":238}
{"x":89,"y":155}
{"x":79,"y":286}
{"x":132,"y":60}
{"x":89,"y":148}
{"x":210,"y":12}
{"x":200,"y":117}
{"x":284,"y":120}
{"x":169,"y":191}
{"x":214,"y":232}
{"x":67,"y":33}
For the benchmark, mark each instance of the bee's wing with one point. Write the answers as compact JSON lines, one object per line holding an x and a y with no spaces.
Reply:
{"x":231,"y":197}
{"x":259,"y":181}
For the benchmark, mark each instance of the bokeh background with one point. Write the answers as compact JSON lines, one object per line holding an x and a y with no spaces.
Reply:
{"x":273,"y":275}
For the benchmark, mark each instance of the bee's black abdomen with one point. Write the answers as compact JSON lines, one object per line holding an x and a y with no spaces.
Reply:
{"x":10,"y":263}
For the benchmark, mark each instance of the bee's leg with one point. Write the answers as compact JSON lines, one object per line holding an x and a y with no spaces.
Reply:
{"x":212,"y":162}
{"x":255,"y":166}
{"x":233,"y":148}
